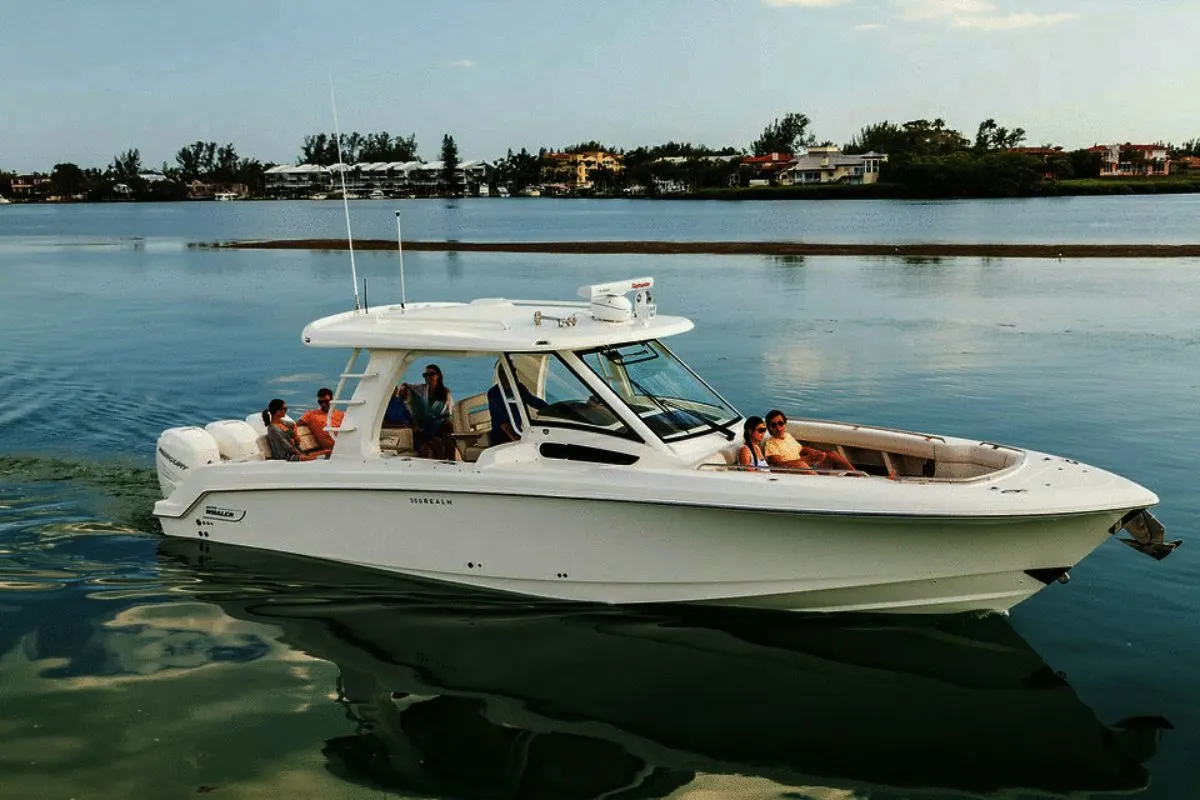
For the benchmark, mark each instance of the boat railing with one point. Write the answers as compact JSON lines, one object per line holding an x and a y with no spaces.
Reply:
{"x":858,"y":427}
{"x":857,"y":473}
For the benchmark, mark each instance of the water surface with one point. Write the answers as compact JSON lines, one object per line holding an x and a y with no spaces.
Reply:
{"x":131,"y":668}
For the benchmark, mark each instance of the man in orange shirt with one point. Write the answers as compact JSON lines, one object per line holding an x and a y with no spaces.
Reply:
{"x":318,"y":418}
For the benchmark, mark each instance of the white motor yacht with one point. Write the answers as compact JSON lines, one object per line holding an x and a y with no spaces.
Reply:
{"x":624,"y":485}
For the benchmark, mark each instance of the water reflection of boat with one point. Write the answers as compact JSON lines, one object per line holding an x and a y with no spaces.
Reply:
{"x":465,"y":695}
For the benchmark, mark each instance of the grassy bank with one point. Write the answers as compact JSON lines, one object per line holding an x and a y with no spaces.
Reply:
{"x":894,"y":191}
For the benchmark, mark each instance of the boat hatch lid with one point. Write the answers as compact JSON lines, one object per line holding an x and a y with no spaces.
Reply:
{"x":490,"y":324}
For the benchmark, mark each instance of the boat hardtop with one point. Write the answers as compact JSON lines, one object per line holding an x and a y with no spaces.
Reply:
{"x":501,"y":325}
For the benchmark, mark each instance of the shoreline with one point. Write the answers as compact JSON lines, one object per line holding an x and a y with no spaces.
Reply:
{"x":909,"y":250}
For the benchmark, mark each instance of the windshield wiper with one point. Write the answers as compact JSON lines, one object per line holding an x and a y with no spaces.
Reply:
{"x":668,"y":405}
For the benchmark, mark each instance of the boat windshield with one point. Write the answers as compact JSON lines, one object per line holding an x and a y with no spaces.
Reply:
{"x":671,"y":399}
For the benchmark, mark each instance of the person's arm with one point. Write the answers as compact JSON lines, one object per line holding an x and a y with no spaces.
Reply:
{"x":745,"y":457}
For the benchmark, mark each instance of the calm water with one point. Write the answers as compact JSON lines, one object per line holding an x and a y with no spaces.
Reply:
{"x":134,"y":668}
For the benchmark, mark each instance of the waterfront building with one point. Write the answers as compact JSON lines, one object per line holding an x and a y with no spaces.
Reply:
{"x":396,"y":178}
{"x":1133,"y":160}
{"x":819,"y":165}
{"x":575,"y":170}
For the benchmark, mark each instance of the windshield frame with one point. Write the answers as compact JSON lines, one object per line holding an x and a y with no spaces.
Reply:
{"x":663,"y":403}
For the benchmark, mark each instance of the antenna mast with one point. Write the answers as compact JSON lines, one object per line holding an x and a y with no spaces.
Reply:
{"x":400,"y":250}
{"x":337,"y":137}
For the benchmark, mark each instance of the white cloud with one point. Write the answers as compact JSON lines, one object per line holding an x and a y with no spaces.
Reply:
{"x":806,"y":3}
{"x":462,"y":62}
{"x":870,"y":26}
{"x":1011,"y":22}
{"x":916,"y":10}
{"x":974,"y":14}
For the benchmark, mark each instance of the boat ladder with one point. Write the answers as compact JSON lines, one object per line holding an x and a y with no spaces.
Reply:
{"x":348,"y":374}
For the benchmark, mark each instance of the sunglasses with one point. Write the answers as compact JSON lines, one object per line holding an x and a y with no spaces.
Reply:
{"x":779,"y":423}
{"x":428,"y":374}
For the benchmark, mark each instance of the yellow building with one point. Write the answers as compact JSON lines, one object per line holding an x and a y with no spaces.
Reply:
{"x":575,"y":169}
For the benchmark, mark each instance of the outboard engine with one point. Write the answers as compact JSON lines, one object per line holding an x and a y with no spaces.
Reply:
{"x":181,"y":449}
{"x":237,"y":440}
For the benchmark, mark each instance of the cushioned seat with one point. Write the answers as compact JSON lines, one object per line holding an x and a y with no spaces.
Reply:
{"x":472,"y":423}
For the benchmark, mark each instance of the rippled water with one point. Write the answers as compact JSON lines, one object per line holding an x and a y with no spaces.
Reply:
{"x":132,"y":668}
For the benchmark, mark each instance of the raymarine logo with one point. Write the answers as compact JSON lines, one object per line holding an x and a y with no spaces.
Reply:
{"x":175,"y":461}
{"x":224,"y":514}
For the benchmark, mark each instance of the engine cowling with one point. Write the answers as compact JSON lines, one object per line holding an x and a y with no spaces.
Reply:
{"x":180,"y":450}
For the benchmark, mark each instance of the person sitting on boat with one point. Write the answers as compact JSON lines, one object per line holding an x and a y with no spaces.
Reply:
{"x":431,"y":404}
{"x":397,"y":415}
{"x":750,"y":455}
{"x":281,"y":434}
{"x":316,"y":419}
{"x":503,"y":406}
{"x":783,"y":450}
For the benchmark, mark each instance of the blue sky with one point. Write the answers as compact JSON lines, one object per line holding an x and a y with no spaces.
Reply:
{"x":83,"y":81}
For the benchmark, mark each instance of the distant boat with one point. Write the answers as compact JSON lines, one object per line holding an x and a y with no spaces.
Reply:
{"x":226,"y":196}
{"x":318,"y":196}
{"x":502,"y":191}
{"x":377,"y":194}
{"x":4,"y":201}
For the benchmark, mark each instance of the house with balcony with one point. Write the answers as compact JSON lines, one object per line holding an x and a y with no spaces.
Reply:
{"x":575,"y":170}
{"x":295,"y":180}
{"x":823,"y":165}
{"x":28,"y":186}
{"x":1133,"y":160}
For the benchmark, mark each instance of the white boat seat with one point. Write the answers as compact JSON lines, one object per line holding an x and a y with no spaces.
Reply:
{"x":396,"y":440}
{"x":471,"y":424}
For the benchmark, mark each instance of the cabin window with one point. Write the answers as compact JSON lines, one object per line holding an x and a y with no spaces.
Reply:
{"x":571,"y":403}
{"x":669,"y":397}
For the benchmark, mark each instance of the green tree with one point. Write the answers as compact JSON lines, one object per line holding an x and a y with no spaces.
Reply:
{"x":127,"y":166}
{"x":518,"y":171}
{"x":68,"y":180}
{"x":450,"y":165}
{"x":880,"y":137}
{"x":320,"y":148}
{"x":990,"y":137}
{"x":785,"y":135}
{"x":196,"y":161}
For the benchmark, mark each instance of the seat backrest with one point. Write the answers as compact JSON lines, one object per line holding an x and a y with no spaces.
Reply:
{"x":471,"y":414}
{"x":308,"y":442}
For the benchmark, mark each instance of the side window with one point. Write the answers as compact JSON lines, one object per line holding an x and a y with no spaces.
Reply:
{"x":570,"y":402}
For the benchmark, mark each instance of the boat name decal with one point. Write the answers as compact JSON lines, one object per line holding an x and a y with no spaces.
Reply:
{"x":175,"y":461}
{"x":430,"y":501}
{"x":226,"y":514}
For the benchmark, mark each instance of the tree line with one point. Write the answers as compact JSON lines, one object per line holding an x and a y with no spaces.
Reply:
{"x":925,"y":158}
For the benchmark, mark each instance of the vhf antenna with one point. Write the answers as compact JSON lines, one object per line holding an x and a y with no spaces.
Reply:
{"x":400,"y":250}
{"x":337,"y":138}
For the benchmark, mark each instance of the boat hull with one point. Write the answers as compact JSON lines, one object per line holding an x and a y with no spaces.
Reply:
{"x":639,"y":551}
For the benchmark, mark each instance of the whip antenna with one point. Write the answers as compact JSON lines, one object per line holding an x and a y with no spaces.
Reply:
{"x":337,"y":138}
{"x":400,"y":250}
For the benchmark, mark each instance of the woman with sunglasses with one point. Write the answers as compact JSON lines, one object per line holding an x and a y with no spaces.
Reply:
{"x":281,"y":434}
{"x":783,"y":450}
{"x":750,"y":455}
{"x":432,"y":404}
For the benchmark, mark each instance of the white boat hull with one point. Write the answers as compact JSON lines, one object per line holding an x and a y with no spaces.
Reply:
{"x":651,"y":552}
